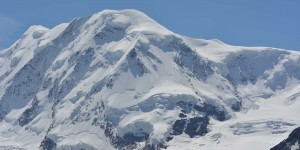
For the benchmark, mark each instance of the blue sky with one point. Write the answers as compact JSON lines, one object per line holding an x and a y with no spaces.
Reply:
{"x":273,"y":23}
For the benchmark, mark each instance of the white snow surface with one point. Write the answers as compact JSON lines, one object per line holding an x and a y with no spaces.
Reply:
{"x":124,"y":68}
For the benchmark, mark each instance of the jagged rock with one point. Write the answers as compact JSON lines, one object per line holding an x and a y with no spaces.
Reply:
{"x":291,"y":143}
{"x":48,"y":144}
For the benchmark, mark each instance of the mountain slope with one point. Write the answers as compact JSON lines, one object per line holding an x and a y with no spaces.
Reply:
{"x":118,"y":79}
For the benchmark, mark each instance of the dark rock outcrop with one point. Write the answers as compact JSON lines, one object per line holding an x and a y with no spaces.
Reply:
{"x":292,"y":140}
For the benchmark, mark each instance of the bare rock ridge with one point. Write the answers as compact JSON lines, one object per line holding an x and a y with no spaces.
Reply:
{"x":120,"y":80}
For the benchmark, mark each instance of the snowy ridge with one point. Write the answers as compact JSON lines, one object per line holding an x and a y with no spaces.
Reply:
{"x":119,"y":80}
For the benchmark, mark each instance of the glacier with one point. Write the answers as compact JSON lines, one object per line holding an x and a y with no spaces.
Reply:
{"x":120,"y":80}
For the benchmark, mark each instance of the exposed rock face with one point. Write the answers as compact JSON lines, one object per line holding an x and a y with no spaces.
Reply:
{"x":291,"y":143}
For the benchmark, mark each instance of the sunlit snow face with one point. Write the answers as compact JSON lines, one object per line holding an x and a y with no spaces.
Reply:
{"x":118,"y":79}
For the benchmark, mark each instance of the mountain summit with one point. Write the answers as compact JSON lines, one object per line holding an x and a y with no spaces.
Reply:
{"x":119,"y":80}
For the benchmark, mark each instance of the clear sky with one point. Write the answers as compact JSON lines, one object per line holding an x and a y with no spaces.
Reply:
{"x":273,"y":23}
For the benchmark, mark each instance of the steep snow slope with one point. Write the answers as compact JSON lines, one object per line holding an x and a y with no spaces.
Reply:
{"x":118,"y":79}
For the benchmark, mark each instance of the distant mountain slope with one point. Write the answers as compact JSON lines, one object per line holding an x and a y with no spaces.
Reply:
{"x":119,"y":80}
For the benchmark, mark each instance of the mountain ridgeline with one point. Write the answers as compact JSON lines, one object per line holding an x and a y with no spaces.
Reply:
{"x":120,"y":80}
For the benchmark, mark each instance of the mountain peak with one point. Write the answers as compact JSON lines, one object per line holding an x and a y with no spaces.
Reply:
{"x":35,"y":30}
{"x":131,"y":19}
{"x":120,"y":80}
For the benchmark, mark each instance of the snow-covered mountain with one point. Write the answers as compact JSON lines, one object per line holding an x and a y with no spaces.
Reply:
{"x":119,"y":80}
